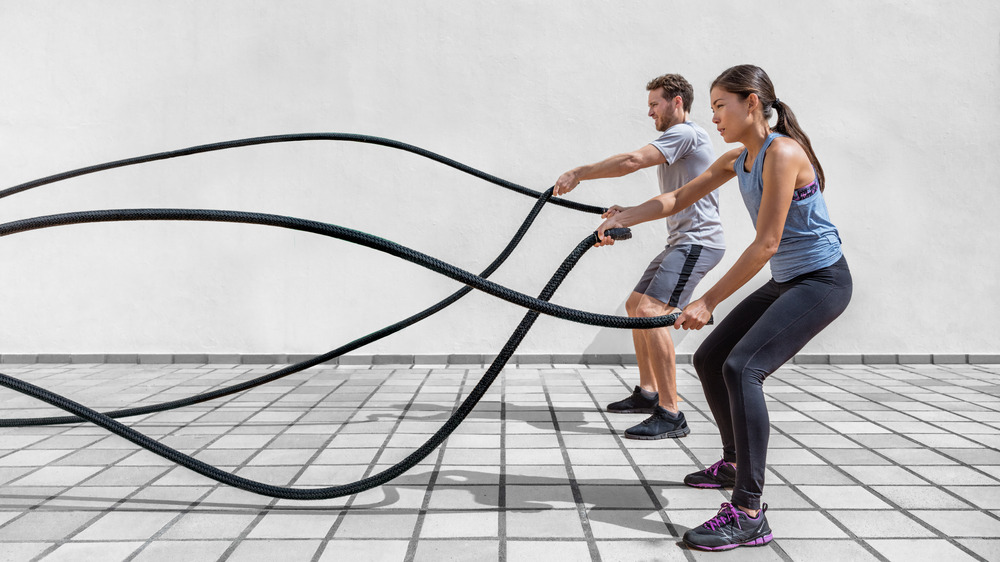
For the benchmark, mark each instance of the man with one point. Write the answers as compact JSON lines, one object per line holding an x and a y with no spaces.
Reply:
{"x":694,"y":246}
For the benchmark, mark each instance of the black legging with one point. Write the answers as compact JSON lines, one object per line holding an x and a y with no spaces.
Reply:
{"x":763,"y":332}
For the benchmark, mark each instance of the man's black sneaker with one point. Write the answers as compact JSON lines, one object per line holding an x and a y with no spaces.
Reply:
{"x":635,"y":404}
{"x":659,"y":425}
{"x":731,"y":528}
{"x":720,"y":475}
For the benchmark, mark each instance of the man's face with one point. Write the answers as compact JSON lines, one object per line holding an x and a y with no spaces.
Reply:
{"x":661,"y":110}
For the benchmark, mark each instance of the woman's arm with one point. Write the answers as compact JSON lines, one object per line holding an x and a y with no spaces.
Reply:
{"x":666,"y":204}
{"x":785,"y":159}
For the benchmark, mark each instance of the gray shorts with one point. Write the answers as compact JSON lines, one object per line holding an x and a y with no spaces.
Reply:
{"x":672,"y":276}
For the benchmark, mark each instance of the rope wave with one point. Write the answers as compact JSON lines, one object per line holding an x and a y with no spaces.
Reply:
{"x":535,"y":306}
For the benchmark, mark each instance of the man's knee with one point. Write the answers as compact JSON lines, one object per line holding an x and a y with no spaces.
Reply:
{"x":649,"y":306}
{"x":632,"y":304}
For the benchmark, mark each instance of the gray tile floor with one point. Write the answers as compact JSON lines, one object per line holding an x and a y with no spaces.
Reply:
{"x":866,"y":463}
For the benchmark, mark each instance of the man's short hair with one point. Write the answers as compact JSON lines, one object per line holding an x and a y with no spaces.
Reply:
{"x":673,"y":85}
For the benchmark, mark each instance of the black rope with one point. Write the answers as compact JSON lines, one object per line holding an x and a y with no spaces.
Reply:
{"x":272,"y":139}
{"x":313,"y":361}
{"x":284,"y":492}
{"x":536,"y":306}
{"x":348,"y":235}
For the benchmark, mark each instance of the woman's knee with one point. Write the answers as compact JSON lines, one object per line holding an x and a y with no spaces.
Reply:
{"x":737,"y":370}
{"x":707,"y":363}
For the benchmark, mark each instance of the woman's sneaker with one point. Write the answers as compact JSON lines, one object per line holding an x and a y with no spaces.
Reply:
{"x":635,"y":404}
{"x":731,"y":528}
{"x":660,"y":425}
{"x":720,"y":475}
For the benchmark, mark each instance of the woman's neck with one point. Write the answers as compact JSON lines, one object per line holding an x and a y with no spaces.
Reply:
{"x":754,"y":140}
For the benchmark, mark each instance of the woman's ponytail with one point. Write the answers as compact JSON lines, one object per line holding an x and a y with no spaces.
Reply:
{"x":789,"y":126}
{"x":747,"y":79}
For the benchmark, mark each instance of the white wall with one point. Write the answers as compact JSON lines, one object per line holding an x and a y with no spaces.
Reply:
{"x":899,"y":97}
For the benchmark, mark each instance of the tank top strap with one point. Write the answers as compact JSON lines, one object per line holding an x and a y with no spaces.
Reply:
{"x":759,"y":160}
{"x":741,"y":161}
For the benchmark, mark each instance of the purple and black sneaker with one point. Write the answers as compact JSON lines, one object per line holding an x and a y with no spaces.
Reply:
{"x":720,"y":475}
{"x":731,"y":528}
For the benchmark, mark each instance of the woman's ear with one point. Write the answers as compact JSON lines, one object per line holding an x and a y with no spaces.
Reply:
{"x":753,"y":102}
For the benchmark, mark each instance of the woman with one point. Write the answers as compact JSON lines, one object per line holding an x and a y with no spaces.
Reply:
{"x":781,"y":182}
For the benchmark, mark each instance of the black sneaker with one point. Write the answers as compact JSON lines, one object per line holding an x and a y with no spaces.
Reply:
{"x":731,"y":528}
{"x":635,"y":404}
{"x":659,"y":425}
{"x":720,"y":475}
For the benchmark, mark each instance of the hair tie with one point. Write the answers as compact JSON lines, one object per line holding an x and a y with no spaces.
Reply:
{"x":775,"y":103}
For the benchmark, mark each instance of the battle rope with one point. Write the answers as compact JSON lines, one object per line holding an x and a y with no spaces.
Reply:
{"x":348,"y":235}
{"x":348,"y":137}
{"x":536,"y":306}
{"x":313,"y":361}
{"x":346,"y":348}
{"x":378,"y":479}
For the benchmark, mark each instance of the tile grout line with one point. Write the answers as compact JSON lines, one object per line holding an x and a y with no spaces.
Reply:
{"x":581,"y":508}
{"x":269,"y":507}
{"x":896,"y":507}
{"x":68,"y":538}
{"x":689,"y":552}
{"x":331,"y":533}
{"x":671,"y":527}
{"x":194,"y":505}
{"x":502,"y":484}
{"x":411,"y":546}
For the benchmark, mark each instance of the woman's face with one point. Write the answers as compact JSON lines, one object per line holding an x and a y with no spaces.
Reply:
{"x":731,"y":114}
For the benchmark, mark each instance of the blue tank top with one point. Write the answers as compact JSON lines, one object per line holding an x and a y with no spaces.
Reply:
{"x":809,"y":241}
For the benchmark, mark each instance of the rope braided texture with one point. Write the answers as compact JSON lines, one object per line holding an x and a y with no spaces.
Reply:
{"x":313,"y":361}
{"x":301,"y":137}
{"x":536,"y":306}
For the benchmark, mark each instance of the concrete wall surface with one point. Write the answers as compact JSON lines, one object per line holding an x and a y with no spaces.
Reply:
{"x":899,"y":98}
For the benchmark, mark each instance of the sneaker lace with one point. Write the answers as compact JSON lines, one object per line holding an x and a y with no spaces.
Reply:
{"x":714,"y":469}
{"x":726,"y":514}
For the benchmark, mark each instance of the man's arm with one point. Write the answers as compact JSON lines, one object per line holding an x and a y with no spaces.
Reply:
{"x":613,"y":167}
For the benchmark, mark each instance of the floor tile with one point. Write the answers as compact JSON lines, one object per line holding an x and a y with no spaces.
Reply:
{"x":209,"y":525}
{"x":917,"y":497}
{"x":467,"y":550}
{"x":627,"y":524}
{"x":112,"y":551}
{"x":901,"y":460}
{"x":188,"y":551}
{"x":550,"y":523}
{"x":46,"y":525}
{"x":377,"y":526}
{"x":843,"y":497}
{"x":126,"y":525}
{"x":985,"y":497}
{"x":907,"y":550}
{"x":367,"y":550}
{"x":270,"y":550}
{"x":881,"y":524}
{"x":475,"y":524}
{"x":293,"y":526}
{"x":961,"y":523}
{"x":803,"y":549}
{"x":987,"y":548}
{"x":799,"y":524}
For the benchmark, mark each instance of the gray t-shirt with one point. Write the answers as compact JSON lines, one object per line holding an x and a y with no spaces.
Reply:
{"x":688,"y":151}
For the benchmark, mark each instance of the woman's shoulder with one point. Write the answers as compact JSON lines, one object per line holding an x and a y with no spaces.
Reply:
{"x":786,"y":149}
